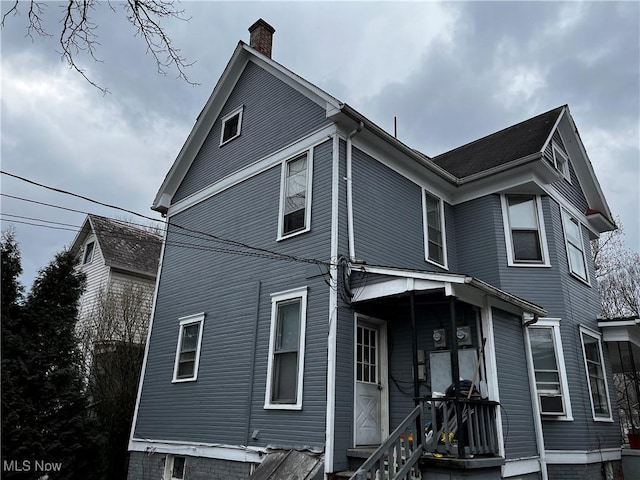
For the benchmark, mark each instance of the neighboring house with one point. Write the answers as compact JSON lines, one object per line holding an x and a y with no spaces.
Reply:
{"x":120,"y":262}
{"x":337,"y":278}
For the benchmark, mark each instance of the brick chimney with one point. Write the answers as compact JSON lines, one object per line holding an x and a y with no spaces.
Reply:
{"x":261,"y":37}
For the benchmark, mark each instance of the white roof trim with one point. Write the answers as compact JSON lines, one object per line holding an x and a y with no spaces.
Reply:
{"x":412,"y":280}
{"x":241,"y":56}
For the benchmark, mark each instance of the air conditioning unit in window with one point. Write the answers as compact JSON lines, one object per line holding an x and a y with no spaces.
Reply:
{"x":551,"y":404}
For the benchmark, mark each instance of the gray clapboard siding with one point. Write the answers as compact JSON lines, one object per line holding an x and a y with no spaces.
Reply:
{"x":274,"y":116}
{"x":387,"y":211}
{"x":202,"y":278}
{"x":513,"y":382}
{"x":478,"y":238}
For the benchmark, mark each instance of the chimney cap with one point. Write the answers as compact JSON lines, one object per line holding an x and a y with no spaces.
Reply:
{"x":261,"y":23}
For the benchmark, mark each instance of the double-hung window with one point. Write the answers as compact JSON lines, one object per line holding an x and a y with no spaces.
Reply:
{"x":594,"y":365}
{"x":548,"y":365}
{"x":188,"y":349}
{"x":295,"y":202}
{"x":231,"y":126}
{"x":433,"y":221}
{"x":286,"y":350}
{"x":575,"y":246}
{"x":524,"y":230}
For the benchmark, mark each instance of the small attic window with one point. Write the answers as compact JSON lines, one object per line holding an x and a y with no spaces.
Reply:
{"x":88,"y":252}
{"x":561,"y":162}
{"x":231,"y":126}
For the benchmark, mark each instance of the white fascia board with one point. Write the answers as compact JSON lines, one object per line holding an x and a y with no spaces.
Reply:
{"x":621,"y":333}
{"x":299,"y":146}
{"x":227,"y":82}
{"x":296,"y":82}
{"x":555,"y":125}
{"x":583,"y":167}
{"x":236,"y":453}
{"x":447,"y":281}
{"x":582,"y":457}
{"x":201,"y":128}
{"x":394,"y":287}
{"x":82,"y":234}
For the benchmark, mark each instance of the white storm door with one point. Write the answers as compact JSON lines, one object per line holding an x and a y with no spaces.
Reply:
{"x":368,"y":411}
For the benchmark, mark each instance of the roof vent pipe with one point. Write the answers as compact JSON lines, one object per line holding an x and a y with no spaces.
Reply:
{"x":261,"y":37}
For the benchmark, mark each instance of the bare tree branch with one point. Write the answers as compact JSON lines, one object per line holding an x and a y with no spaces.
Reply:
{"x":79,"y":33}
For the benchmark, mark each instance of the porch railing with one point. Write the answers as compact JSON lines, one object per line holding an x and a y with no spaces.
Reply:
{"x":478,"y":435}
{"x":397,"y":457}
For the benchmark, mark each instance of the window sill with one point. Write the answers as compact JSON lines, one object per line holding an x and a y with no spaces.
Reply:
{"x":291,"y":235}
{"x":275,"y":406}
{"x":556,"y":419}
{"x":529,"y":265}
{"x":603,"y":420}
{"x":432,"y":262}
{"x":229,"y":140}
{"x":580,"y":279}
{"x":183,"y":380}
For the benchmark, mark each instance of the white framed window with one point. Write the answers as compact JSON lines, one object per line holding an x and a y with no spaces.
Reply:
{"x":434,"y":229}
{"x":188,"y":349}
{"x":561,"y":162}
{"x":524,"y":231}
{"x":575,"y":246}
{"x":596,"y":377}
{"x":550,"y":373}
{"x":88,"y":252}
{"x":285,"y":368}
{"x":231,"y":126}
{"x":295,"y":196}
{"x":174,"y":467}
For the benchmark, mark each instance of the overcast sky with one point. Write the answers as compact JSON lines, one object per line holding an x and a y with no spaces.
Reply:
{"x":451,"y":73}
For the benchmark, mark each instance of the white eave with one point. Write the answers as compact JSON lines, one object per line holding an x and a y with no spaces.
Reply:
{"x":241,"y":55}
{"x":403,"y":281}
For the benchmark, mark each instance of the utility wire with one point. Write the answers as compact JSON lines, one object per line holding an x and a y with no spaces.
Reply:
{"x":276,"y":255}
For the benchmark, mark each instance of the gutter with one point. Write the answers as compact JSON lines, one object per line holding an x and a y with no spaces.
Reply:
{"x":424,"y":160}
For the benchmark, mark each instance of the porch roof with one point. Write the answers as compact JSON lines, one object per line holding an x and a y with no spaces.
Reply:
{"x":393,"y":282}
{"x":617,"y":331}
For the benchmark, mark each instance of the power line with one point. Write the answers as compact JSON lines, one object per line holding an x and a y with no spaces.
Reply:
{"x":276,"y":255}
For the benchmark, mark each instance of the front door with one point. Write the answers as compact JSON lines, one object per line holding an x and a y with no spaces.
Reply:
{"x":370,"y":365}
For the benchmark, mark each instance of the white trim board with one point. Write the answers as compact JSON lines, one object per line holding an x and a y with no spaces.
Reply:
{"x":272,"y":160}
{"x":582,"y":457}
{"x":236,"y":453}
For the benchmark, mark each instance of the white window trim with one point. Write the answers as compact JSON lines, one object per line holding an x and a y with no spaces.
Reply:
{"x":307,"y":207}
{"x":566,"y":217}
{"x":507,"y":234}
{"x":561,"y":165}
{"x":237,"y":111}
{"x":168,"y":467}
{"x":189,"y":320}
{"x":554,"y":324}
{"x":443,"y":230}
{"x":295,"y":293}
{"x":598,"y":337}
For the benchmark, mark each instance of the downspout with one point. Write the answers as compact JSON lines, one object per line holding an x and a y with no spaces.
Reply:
{"x":352,"y":248}
{"x":333,"y":312}
{"x":537,"y":418}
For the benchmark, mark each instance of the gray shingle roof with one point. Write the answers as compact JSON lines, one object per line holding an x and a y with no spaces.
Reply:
{"x":126,"y":247}
{"x":512,"y":143}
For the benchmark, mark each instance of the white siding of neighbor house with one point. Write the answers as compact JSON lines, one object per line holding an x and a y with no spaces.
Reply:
{"x":97,"y":274}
